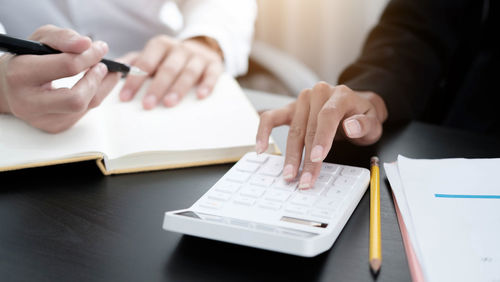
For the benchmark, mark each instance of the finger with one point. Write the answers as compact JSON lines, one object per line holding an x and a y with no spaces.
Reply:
{"x":56,"y":123}
{"x":62,"y":39}
{"x":329,"y":117}
{"x":73,"y":100}
{"x":209,"y":79}
{"x":58,"y":65}
{"x":128,"y":58}
{"x":296,"y":134}
{"x":363,"y":129}
{"x":107,"y":84}
{"x":165,"y":75}
{"x":268,"y":121}
{"x":148,"y":61}
{"x":319,"y":96}
{"x":188,"y":77}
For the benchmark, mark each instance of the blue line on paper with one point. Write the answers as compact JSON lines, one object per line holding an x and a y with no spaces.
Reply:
{"x":456,"y":196}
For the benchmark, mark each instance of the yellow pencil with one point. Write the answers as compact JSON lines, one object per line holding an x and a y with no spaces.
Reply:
{"x":375,"y":234}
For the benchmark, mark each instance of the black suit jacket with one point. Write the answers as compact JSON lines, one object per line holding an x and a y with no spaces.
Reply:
{"x":436,"y":61}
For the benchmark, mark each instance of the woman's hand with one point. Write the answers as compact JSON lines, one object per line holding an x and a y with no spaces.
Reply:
{"x":176,"y":67}
{"x":314,"y":120}
{"x":26,"y":80}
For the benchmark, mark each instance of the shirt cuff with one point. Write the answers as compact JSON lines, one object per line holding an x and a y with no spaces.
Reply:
{"x":235,"y":57}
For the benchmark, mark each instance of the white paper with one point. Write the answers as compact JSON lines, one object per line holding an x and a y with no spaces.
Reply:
{"x":454,"y":216}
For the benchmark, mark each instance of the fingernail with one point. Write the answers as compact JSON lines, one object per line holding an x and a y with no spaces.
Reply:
{"x":317,"y":154}
{"x":288,"y":172}
{"x":102,"y":46}
{"x":149,"y":102}
{"x":75,"y":37}
{"x":102,"y":69}
{"x":305,"y":180}
{"x":203,"y":92}
{"x":353,"y":128}
{"x":171,"y":99}
{"x":126,"y":95}
{"x":259,"y":147}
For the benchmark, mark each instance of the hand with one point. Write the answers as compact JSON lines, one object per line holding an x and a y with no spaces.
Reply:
{"x":176,"y":67}
{"x":26,"y":81}
{"x":314,"y":119}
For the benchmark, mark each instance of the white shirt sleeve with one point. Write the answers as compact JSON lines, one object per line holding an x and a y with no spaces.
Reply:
{"x":229,"y":22}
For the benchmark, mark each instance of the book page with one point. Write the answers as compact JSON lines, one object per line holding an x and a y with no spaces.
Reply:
{"x":21,"y":143}
{"x":225,"y":119}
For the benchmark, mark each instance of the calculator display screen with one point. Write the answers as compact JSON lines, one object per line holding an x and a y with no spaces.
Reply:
{"x":257,"y":226}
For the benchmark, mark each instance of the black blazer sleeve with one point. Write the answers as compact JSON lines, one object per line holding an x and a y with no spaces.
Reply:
{"x":408,"y":52}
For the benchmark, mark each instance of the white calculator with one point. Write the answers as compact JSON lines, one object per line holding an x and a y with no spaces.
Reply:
{"x":252,"y":205}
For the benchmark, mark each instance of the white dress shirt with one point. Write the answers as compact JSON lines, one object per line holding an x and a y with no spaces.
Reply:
{"x":126,"y":25}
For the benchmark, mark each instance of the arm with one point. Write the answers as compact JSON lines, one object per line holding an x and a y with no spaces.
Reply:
{"x":230,"y":23}
{"x":215,"y":32}
{"x":402,"y":61}
{"x":407,"y":54}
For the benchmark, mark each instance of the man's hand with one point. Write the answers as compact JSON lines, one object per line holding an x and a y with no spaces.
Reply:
{"x":176,"y":67}
{"x":314,"y":120}
{"x":26,"y":80}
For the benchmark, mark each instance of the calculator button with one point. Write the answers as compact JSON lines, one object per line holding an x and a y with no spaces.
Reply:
{"x":262,"y":180}
{"x":330,"y":168}
{"x":277,"y":195}
{"x":270,"y":205}
{"x":247,"y":166}
{"x":273,"y":167}
{"x":219,"y":196}
{"x":244,"y":201}
{"x":315,"y":190}
{"x":326,"y":214}
{"x":296,"y":209}
{"x":238,"y":176}
{"x":252,"y":191}
{"x":284,"y":185}
{"x":211,"y":204}
{"x":351,"y":171}
{"x":345,"y":181}
{"x":227,"y":187}
{"x":328,"y":203}
{"x":337,"y":192}
{"x":323,"y":178}
{"x":257,"y":158}
{"x":303,"y":200}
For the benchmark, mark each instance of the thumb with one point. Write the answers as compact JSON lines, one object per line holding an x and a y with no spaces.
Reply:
{"x":363,"y":129}
{"x":62,"y":39}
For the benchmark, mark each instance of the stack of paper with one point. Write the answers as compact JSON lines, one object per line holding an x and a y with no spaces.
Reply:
{"x":449,"y":214}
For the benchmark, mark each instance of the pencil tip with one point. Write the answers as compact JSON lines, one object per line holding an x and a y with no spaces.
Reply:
{"x":375,"y":265}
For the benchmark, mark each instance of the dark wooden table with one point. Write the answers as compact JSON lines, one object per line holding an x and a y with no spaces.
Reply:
{"x":70,"y":223}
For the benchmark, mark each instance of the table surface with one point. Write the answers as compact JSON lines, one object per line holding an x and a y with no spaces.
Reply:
{"x":71,"y":223}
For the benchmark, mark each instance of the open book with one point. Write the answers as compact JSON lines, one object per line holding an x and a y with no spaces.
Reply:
{"x":123,"y":138}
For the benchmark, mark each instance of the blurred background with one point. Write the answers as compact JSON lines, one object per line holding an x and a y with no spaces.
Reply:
{"x":298,"y":42}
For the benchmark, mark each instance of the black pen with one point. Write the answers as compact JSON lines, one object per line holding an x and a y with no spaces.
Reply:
{"x":27,"y":47}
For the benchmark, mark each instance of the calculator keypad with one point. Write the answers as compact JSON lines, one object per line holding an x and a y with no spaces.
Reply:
{"x":256,"y":182}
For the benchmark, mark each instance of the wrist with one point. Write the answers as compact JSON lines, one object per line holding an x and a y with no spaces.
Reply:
{"x":210,"y":43}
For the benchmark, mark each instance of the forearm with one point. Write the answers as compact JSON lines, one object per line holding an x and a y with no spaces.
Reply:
{"x":229,"y":23}
{"x":406,"y":54}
